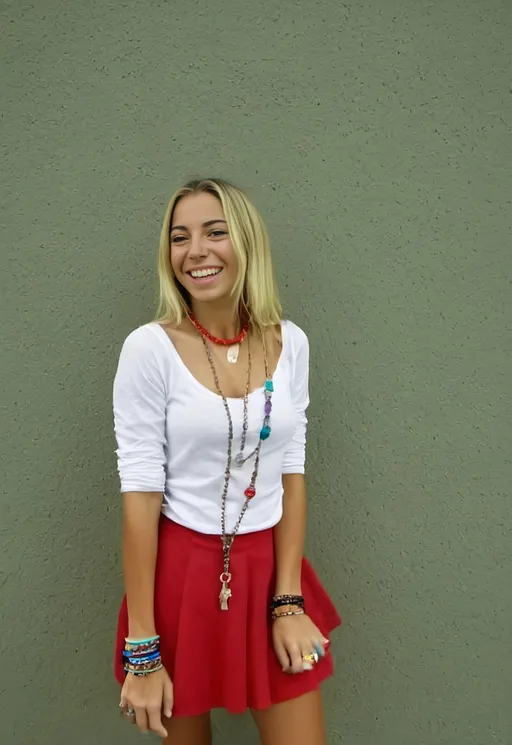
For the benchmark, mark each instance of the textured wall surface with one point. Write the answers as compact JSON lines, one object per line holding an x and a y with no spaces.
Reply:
{"x":375,"y":138}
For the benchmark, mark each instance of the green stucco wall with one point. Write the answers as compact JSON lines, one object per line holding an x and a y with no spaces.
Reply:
{"x":375,"y":138}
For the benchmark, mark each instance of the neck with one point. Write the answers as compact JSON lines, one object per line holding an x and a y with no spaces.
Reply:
{"x":223,"y":322}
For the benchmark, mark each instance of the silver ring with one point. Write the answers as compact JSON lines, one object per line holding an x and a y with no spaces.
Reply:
{"x":129,"y":712}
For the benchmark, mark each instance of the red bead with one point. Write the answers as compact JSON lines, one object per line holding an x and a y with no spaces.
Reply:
{"x":250,"y":492}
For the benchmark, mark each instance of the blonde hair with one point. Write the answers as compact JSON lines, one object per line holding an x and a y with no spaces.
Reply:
{"x":254,"y":292}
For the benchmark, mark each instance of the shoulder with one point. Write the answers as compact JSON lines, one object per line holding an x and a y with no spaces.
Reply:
{"x":146,"y":347}
{"x":294,"y":336}
{"x":144,"y":339}
{"x":295,"y":348}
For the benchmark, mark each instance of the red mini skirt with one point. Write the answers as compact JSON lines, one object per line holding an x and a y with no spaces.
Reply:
{"x":225,"y":659}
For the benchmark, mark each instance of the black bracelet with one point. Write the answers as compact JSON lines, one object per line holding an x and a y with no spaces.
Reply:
{"x":279,"y":600}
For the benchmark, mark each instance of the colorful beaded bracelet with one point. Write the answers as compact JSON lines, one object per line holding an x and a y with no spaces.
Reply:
{"x":142,"y":656}
{"x":138,"y":644}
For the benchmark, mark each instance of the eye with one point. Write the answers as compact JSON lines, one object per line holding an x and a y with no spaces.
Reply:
{"x":178,"y":238}
{"x":218,"y":233}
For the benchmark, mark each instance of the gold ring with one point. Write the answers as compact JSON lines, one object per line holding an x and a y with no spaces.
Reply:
{"x":311,"y":658}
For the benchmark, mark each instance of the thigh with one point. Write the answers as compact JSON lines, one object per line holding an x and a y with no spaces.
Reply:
{"x":299,"y":721}
{"x":188,"y":730}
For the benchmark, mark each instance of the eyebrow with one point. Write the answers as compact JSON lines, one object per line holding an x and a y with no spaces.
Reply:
{"x":206,"y":224}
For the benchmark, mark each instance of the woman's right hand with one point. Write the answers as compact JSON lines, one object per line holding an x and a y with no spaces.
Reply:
{"x":150,"y":696}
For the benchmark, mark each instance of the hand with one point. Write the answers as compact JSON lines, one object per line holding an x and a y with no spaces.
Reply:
{"x":294,"y":637}
{"x":150,"y":696}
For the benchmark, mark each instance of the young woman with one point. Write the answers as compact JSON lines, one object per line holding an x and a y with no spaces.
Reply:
{"x":221,"y":609}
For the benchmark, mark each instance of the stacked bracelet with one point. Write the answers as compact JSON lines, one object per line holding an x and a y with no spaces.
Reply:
{"x":142,"y":656}
{"x":287,"y":605}
{"x":279,"y":600}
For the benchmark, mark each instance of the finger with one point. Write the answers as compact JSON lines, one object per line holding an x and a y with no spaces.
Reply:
{"x":319,"y":649}
{"x":123,"y":701}
{"x":309,"y":656}
{"x":155,"y":721}
{"x":295,"y":656}
{"x":282,"y":656}
{"x":128,"y":713}
{"x":141,"y":718}
{"x":126,"y":709}
{"x":168,"y":699}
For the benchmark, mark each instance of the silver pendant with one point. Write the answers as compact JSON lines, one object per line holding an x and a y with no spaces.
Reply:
{"x":239,"y":460}
{"x":233,"y":351}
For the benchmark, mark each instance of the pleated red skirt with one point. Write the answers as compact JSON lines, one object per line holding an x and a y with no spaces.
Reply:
{"x":225,"y":659}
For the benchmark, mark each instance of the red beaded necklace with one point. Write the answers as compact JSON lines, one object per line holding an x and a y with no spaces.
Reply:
{"x":217,"y":339}
{"x":233,"y":345}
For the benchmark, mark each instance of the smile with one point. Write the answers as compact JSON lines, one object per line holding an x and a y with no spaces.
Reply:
{"x":209,"y":272}
{"x":204,"y":276}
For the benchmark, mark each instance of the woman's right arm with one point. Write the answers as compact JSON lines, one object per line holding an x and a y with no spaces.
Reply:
{"x":151,"y":695}
{"x":140,"y":410}
{"x":141,"y":515}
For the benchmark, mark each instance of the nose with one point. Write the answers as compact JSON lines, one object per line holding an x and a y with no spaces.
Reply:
{"x":197,"y":247}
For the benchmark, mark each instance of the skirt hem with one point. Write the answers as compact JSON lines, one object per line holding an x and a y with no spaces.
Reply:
{"x":279,"y":699}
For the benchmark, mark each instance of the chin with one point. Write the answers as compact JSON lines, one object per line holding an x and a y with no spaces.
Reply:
{"x":207,"y":294}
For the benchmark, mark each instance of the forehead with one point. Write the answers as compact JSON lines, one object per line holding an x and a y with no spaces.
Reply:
{"x":195,"y":209}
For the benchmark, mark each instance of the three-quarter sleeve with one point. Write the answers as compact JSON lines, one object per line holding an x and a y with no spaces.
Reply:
{"x":140,"y":402}
{"x":295,"y":455}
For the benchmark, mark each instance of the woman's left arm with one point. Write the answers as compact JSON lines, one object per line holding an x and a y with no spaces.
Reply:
{"x":289,"y":536}
{"x":295,"y":635}
{"x":290,"y":532}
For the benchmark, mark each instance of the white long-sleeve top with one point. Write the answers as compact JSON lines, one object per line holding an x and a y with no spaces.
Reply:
{"x":172,"y":433}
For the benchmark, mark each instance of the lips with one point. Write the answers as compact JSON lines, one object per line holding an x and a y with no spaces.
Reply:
{"x":205,"y":275}
{"x":202,"y":272}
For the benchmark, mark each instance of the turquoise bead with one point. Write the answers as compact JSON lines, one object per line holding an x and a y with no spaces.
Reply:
{"x":265,"y":432}
{"x":269,"y":386}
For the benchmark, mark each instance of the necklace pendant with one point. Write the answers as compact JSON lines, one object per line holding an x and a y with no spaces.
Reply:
{"x":232,"y":355}
{"x":239,"y":460}
{"x":224,"y":595}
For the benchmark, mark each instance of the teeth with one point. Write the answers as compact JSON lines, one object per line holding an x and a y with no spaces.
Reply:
{"x":197,"y":273}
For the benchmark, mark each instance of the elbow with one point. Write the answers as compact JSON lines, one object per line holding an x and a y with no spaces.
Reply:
{"x":294,"y":483}
{"x":141,"y":509}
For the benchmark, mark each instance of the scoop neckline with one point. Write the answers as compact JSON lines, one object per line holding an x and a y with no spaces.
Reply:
{"x":205,"y":388}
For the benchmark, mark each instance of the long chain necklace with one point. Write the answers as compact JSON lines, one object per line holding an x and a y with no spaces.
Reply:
{"x":250,"y":491}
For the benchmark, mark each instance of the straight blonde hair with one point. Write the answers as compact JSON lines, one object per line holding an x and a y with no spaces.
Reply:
{"x":255,"y":291}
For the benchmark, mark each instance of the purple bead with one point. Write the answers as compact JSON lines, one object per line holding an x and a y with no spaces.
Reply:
{"x":268,"y":406}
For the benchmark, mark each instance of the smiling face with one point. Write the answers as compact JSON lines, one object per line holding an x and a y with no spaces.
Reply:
{"x":202,"y":256}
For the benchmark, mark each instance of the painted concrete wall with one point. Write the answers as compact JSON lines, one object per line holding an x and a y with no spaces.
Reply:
{"x":375,"y":137}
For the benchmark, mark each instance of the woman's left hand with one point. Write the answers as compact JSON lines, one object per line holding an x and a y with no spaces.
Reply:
{"x":294,"y":637}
